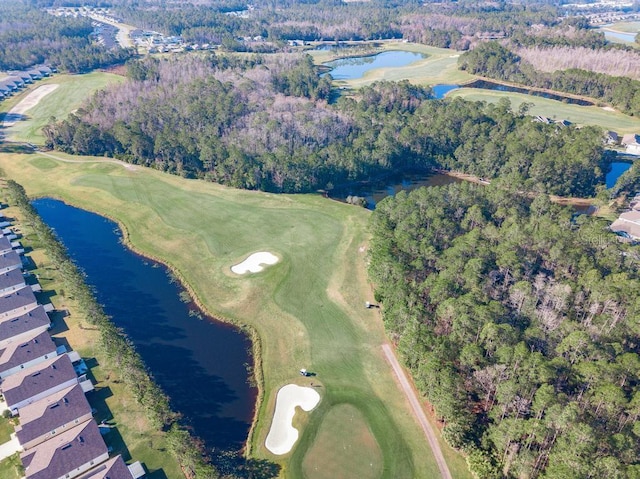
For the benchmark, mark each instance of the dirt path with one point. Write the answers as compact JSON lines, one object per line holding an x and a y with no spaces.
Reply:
{"x":417,"y":410}
{"x":31,"y":100}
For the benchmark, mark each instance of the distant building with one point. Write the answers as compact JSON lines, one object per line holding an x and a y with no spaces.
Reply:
{"x":66,"y":456}
{"x":632,"y":143}
{"x":628,"y":225}
{"x":611,"y":138}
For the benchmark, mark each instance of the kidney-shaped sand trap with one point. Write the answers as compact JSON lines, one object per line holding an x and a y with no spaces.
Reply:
{"x":282,"y":435}
{"x":253,"y":264}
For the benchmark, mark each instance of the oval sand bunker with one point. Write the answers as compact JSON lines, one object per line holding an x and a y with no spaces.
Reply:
{"x":253,"y":264}
{"x":282,"y":435}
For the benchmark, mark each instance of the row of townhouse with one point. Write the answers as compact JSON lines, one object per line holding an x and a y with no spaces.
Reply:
{"x":20,"y":79}
{"x":43,"y":385}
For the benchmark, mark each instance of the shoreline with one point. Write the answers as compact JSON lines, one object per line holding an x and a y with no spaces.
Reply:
{"x":252,"y":334}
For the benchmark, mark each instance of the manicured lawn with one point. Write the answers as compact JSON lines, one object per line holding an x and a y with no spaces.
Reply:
{"x":344,"y":436}
{"x":11,"y":467}
{"x":440,"y":66}
{"x":69,"y":96}
{"x":557,"y":110}
{"x":308,"y":309}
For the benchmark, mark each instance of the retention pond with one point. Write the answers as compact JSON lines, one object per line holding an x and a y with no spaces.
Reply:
{"x":199,"y":362}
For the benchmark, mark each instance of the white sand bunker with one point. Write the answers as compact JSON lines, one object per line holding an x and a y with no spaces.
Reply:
{"x":31,"y":100}
{"x":282,"y":435}
{"x":253,"y":263}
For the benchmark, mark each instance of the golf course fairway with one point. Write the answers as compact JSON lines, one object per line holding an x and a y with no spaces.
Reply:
{"x":305,"y":311}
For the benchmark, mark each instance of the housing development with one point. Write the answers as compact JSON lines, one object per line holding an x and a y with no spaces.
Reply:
{"x":44,"y":385}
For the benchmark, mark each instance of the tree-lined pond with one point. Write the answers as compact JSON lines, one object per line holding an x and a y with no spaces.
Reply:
{"x":355,"y":67}
{"x":200,"y":363}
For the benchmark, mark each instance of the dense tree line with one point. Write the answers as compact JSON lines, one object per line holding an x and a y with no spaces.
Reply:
{"x":264,"y":123}
{"x":519,"y":323}
{"x":496,"y":61}
{"x":29,"y":37}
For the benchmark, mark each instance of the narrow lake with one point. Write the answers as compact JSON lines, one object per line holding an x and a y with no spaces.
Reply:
{"x":355,"y":67}
{"x":375,"y":191}
{"x":199,"y":363}
{"x":617,"y":168}
{"x":489,"y":85}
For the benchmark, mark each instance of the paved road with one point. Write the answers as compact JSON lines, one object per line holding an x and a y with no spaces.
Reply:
{"x":417,"y":410}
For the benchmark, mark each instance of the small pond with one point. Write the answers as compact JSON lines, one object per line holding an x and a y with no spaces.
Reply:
{"x":374,"y":191}
{"x":439,"y":91}
{"x":617,"y":168}
{"x":489,"y":85}
{"x":355,"y":67}
{"x":199,"y":362}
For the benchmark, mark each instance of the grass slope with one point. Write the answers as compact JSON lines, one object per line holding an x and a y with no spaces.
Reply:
{"x":308,"y":309}
{"x":69,"y":96}
{"x":557,"y":110}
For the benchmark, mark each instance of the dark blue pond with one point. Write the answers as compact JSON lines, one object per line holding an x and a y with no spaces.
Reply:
{"x":199,"y":363}
{"x":617,"y":168}
{"x":355,"y":67}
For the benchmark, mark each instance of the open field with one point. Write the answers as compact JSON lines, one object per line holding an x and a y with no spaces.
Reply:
{"x":134,"y":437}
{"x":307,"y":309}
{"x":72,"y":91}
{"x":441,"y":66}
{"x":626,"y":27}
{"x":557,"y":110}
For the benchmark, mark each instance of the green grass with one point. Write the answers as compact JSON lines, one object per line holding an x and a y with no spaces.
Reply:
{"x":11,"y":467}
{"x":308,"y":309}
{"x":69,"y":96}
{"x":440,"y":66}
{"x":6,"y":429}
{"x":557,"y":110}
{"x":344,"y":436}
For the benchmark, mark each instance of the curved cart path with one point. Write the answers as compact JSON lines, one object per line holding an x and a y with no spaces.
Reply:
{"x":417,"y":410}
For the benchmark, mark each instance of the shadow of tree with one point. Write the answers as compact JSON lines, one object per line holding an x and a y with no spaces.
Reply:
{"x":233,"y":464}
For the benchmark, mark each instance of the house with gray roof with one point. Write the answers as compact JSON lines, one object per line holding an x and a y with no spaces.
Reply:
{"x":17,"y":302}
{"x":17,"y":81}
{"x":5,"y":245}
{"x":19,"y":355}
{"x":35,"y":74}
{"x":23,"y":326}
{"x":66,"y":456}
{"x":11,"y":281}
{"x":37,"y":382}
{"x":114,"y":468}
{"x":9,"y":261}
{"x":52,"y":416}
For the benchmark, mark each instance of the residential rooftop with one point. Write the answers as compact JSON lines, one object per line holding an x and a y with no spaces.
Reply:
{"x":34,"y":319}
{"x":65,"y":453}
{"x":9,"y":259}
{"x":11,"y":278}
{"x":21,"y":352}
{"x":37,"y":379}
{"x":114,"y":468}
{"x":50,"y":413}
{"x":20,"y":298}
